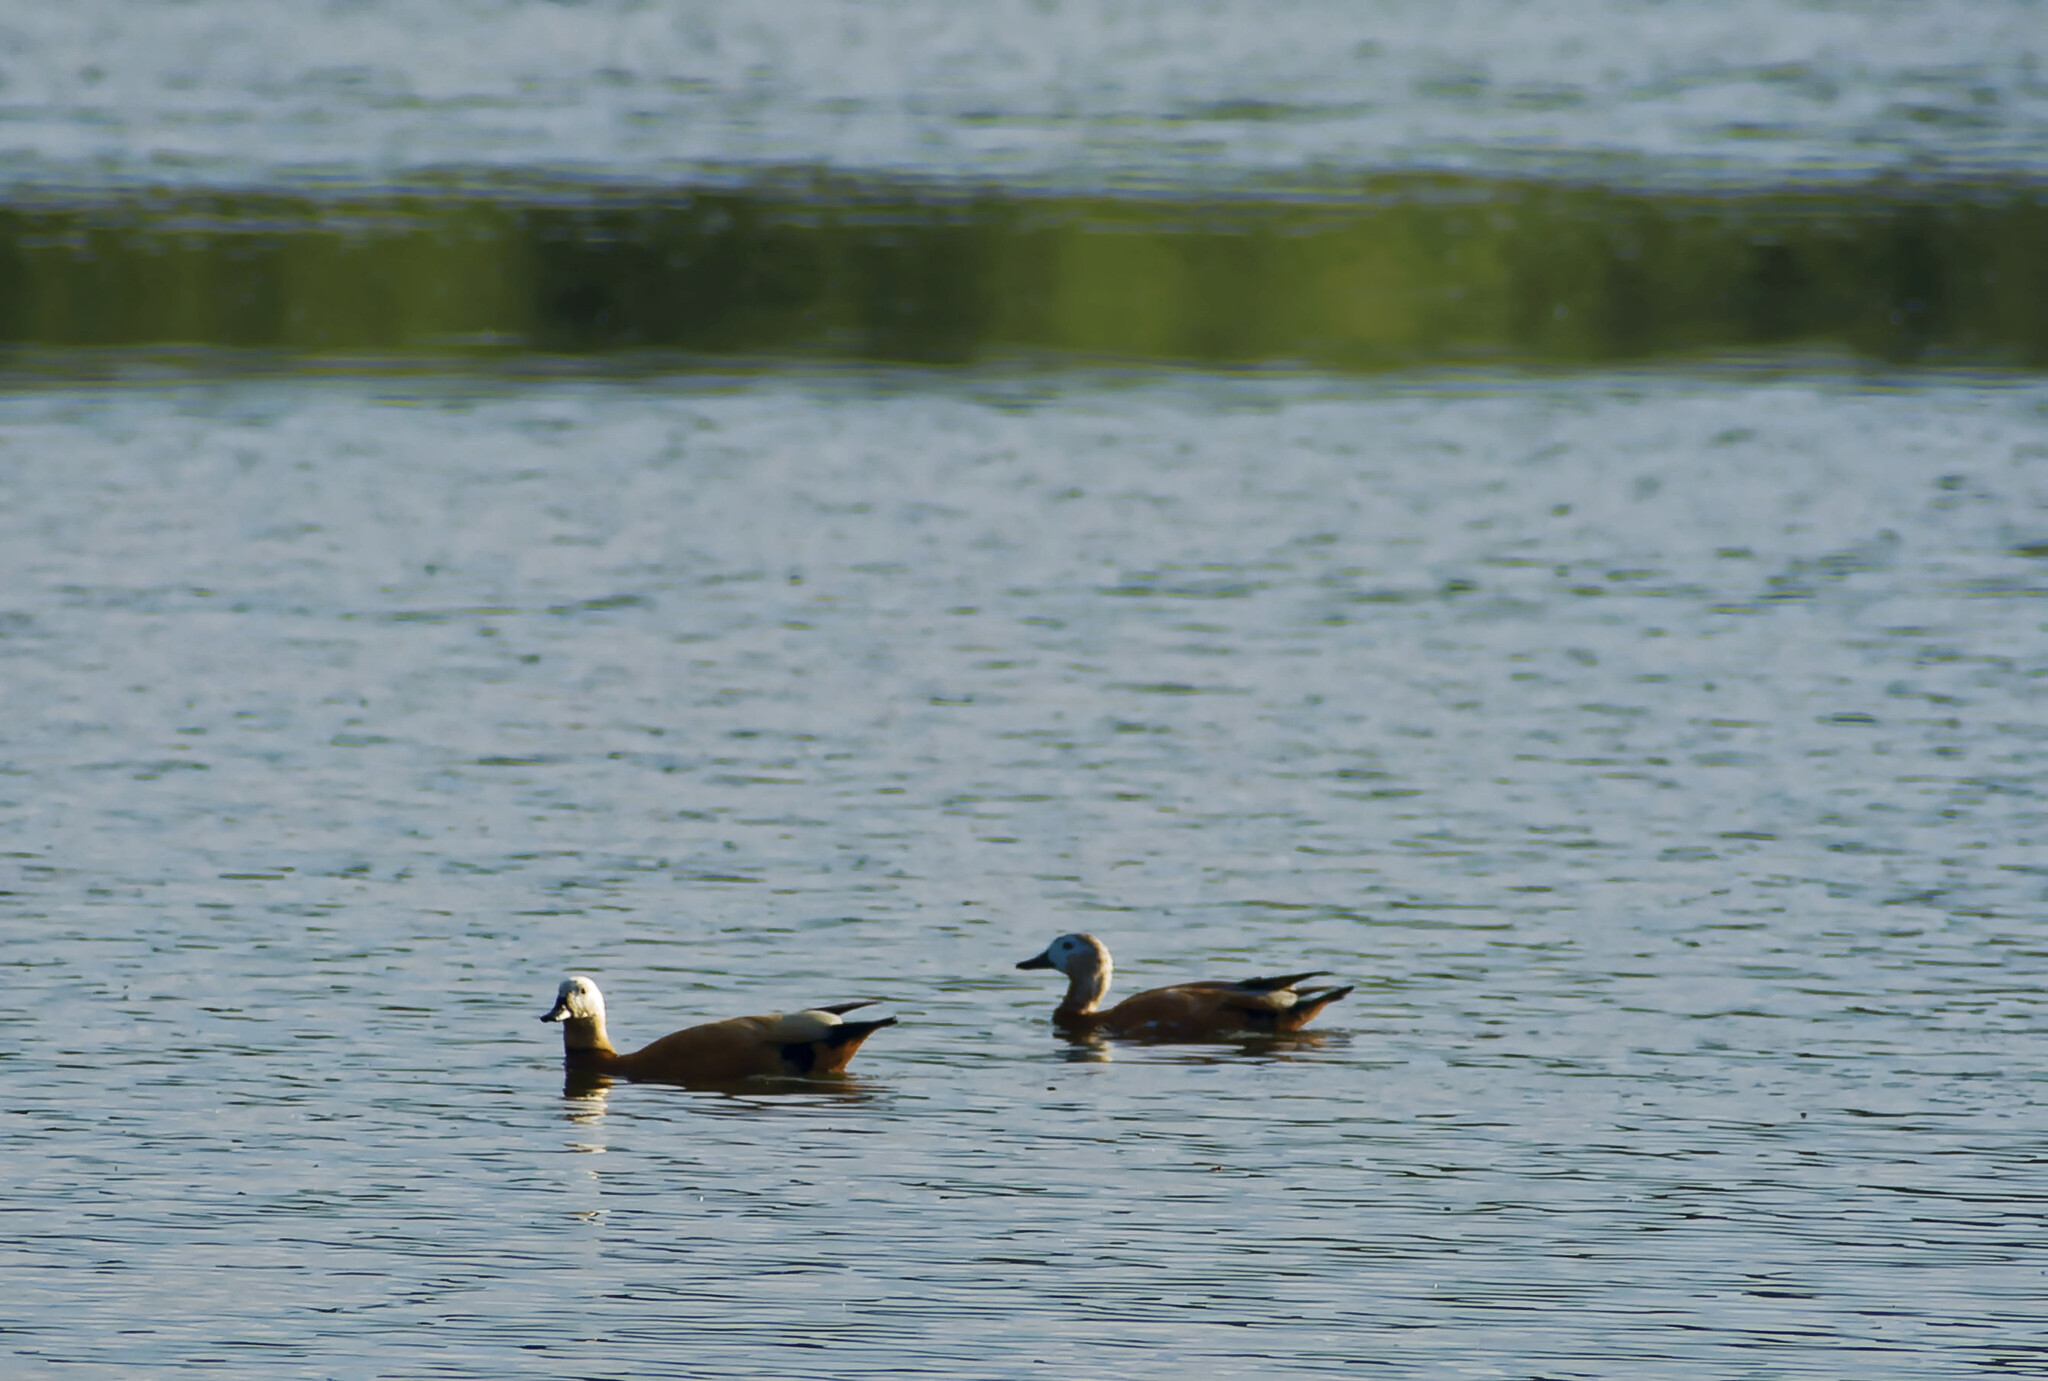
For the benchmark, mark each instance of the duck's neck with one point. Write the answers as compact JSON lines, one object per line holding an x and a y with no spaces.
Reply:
{"x":1085,"y":990}
{"x":584,"y":1041}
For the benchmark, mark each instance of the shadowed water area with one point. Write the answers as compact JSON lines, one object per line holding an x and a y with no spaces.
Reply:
{"x":1540,"y":514}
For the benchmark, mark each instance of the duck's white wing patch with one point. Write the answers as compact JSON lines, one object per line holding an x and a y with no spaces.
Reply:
{"x":789,"y":1028}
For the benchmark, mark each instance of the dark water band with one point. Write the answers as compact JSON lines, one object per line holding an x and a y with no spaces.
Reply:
{"x":1400,"y":271}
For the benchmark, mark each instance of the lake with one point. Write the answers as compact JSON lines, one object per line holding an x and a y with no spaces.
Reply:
{"x":1657,"y":755}
{"x":777,"y":510}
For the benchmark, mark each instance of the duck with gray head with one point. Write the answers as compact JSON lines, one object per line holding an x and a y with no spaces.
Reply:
{"x":1213,"y":1009}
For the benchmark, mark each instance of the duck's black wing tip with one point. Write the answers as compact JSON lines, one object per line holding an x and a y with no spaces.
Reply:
{"x":1279,"y":981}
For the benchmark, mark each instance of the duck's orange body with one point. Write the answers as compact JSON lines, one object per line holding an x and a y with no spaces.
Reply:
{"x":1208,"y":1010}
{"x":780,"y":1044}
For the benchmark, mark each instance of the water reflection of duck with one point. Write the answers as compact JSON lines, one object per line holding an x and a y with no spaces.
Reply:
{"x":588,"y":1092}
{"x":1201,"y":1011}
{"x":720,"y":1052}
{"x":1093,"y":1047}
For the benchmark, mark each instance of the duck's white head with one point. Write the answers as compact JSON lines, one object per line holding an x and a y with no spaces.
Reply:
{"x":577,"y":1000}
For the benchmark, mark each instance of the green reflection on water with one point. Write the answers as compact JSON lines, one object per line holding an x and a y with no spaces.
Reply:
{"x":1405,"y":271}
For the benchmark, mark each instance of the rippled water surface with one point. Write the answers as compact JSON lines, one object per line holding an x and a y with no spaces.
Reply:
{"x":1661,"y":755}
{"x":240,"y":91}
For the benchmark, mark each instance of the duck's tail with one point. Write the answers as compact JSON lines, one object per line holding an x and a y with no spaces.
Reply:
{"x":1306,"y":1005}
{"x":853,"y":1032}
{"x":830,"y":1053}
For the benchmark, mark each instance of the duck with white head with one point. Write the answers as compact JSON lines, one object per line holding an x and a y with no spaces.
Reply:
{"x":779,"y":1044}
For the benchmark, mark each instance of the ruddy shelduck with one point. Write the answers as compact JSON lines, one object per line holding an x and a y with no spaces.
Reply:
{"x":781,"y":1044}
{"x":1203,"y":1011}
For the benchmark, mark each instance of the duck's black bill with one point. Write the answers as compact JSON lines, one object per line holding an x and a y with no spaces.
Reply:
{"x":560,"y":1012}
{"x":1043,"y":961}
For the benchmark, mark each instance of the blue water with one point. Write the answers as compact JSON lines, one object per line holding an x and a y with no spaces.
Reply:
{"x":236,"y":92}
{"x":1659,"y":754}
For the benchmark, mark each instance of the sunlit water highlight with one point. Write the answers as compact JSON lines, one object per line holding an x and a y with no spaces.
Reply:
{"x":1661,"y":755}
